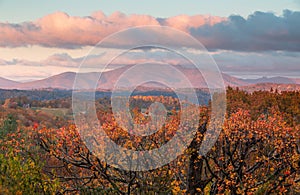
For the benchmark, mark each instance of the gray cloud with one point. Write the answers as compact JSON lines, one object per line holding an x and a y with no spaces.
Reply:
{"x":260,"y":31}
{"x":260,"y":64}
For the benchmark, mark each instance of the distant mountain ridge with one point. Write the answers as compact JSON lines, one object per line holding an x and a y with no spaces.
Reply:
{"x":270,"y":86}
{"x":278,"y":80}
{"x":7,"y":84}
{"x":108,"y":79}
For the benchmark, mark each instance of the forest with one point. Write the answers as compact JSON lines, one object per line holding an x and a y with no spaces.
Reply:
{"x":257,"y":151}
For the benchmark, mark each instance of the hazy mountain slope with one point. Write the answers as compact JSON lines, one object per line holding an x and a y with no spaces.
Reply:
{"x":109,"y":79}
{"x":7,"y":84}
{"x":278,"y":80}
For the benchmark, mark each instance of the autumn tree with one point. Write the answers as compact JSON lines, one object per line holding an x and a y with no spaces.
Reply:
{"x":21,"y":170}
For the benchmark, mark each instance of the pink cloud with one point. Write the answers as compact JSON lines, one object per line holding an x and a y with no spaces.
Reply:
{"x":185,"y":22}
{"x":61,"y":30}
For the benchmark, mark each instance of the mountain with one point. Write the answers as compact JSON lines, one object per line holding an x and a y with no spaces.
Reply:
{"x":61,"y":81}
{"x":165,"y":74}
{"x":269,"y":86}
{"x":296,"y":80}
{"x":278,"y":80}
{"x":108,"y":80}
{"x":7,"y":84}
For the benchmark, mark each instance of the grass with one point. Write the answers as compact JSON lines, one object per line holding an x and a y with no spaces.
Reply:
{"x":59,"y":112}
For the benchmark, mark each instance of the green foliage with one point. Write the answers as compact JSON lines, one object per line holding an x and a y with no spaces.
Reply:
{"x":9,"y":125}
{"x":23,"y":176}
{"x":21,"y":169}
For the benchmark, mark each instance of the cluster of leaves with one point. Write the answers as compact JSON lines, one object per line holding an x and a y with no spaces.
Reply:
{"x":251,"y":157}
{"x":263,"y":102}
{"x":257,"y":152}
{"x":21,"y":170}
{"x":80,"y":170}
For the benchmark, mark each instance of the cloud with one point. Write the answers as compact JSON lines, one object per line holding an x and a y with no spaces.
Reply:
{"x":61,"y":59}
{"x":3,"y":62}
{"x":263,"y":63}
{"x":297,"y":2}
{"x":22,"y":62}
{"x":185,"y":22}
{"x":100,"y":59}
{"x":261,"y":31}
{"x":246,"y":64}
{"x":61,"y":30}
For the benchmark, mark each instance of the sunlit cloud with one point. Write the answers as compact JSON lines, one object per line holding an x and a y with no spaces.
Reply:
{"x":260,"y":31}
{"x":61,"y":30}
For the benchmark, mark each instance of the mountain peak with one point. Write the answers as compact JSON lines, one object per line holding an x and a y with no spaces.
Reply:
{"x":66,"y":80}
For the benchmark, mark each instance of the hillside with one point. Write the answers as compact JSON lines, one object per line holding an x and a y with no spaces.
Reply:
{"x":65,"y":81}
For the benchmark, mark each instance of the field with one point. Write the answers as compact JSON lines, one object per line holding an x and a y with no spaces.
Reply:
{"x":58,"y":112}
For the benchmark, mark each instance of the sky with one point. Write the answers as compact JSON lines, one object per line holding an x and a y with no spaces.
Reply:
{"x":246,"y":38}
